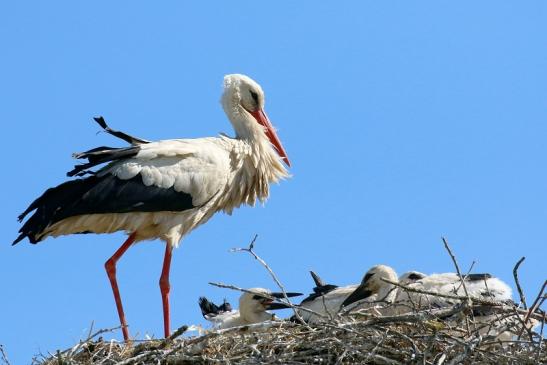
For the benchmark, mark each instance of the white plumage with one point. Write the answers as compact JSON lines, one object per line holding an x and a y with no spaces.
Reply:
{"x":328,"y":304}
{"x":252,"y":309}
{"x":219,"y":173}
{"x":374,"y":292}
{"x":369,"y":293}
{"x":165,"y":189}
{"x":480,"y":286}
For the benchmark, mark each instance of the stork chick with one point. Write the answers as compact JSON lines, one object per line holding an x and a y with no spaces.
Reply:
{"x":253,"y":308}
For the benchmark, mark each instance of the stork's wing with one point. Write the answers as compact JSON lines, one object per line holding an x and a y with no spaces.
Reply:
{"x":126,"y":137}
{"x":199,"y":167}
{"x":100,"y":155}
{"x":319,"y":291}
{"x":172,"y":176}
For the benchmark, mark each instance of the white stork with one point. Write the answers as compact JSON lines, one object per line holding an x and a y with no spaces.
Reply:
{"x":373,"y":290}
{"x":479,"y":286}
{"x":328,"y":299}
{"x":165,"y":189}
{"x":252,"y":309}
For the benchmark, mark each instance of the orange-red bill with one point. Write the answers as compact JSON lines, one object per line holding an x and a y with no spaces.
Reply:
{"x":262,"y":118}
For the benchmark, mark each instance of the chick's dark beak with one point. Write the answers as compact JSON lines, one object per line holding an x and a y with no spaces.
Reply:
{"x":276,"y":305}
{"x":280,"y":295}
{"x":360,"y":293}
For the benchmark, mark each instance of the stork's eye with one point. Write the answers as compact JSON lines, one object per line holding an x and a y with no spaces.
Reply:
{"x":415,"y":276}
{"x":254,"y":96}
{"x":367,"y":277}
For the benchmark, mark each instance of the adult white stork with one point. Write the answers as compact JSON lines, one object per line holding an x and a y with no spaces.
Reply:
{"x":165,"y":189}
{"x":253,"y":307}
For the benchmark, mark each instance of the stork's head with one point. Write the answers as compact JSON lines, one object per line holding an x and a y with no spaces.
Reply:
{"x":373,"y":283}
{"x":253,"y":306}
{"x":243,"y":102}
{"x":411,"y":277}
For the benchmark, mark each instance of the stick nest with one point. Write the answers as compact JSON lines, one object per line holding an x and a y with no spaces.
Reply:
{"x":415,"y":338}
{"x":445,"y":336}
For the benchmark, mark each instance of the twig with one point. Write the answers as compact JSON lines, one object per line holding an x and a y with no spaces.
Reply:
{"x":4,"y":356}
{"x":90,"y":329}
{"x":470,"y":268}
{"x":100,"y":332}
{"x":274,"y":277}
{"x":457,"y":266}
{"x":169,"y":340}
{"x":540,"y":341}
{"x":517,"y":282}
{"x":468,"y":300}
{"x":536,"y":303}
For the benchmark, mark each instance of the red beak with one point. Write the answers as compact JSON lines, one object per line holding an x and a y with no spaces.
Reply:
{"x":262,"y":118}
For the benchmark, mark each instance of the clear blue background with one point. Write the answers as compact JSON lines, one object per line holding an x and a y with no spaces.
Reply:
{"x":404,"y":121}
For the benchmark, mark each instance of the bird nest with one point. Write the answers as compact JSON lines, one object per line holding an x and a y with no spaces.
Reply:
{"x":420,"y":337}
{"x":448,"y":335}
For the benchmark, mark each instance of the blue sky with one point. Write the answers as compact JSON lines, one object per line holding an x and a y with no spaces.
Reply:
{"x":404,"y":121}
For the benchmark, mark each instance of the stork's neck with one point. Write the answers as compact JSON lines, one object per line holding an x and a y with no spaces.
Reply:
{"x":245,"y":125}
{"x":256,"y":165}
{"x":250,"y":316}
{"x":259,"y":162}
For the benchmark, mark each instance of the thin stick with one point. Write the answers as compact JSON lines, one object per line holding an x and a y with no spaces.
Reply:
{"x":90,"y":329}
{"x":180,"y":331}
{"x":517,"y":282}
{"x":470,"y":268}
{"x":468,"y":300}
{"x":456,"y":265}
{"x":535,"y":305}
{"x":4,"y":356}
{"x":250,"y":250}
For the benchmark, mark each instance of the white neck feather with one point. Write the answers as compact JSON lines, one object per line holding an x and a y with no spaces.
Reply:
{"x":256,"y":161}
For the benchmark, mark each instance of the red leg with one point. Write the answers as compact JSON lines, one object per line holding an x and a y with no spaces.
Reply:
{"x":164,"y":288}
{"x":110,"y":266}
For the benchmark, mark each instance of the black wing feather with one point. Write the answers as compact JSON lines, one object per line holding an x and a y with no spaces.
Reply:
{"x":210,"y":309}
{"x":96,"y":195}
{"x":477,"y":277}
{"x":317,"y":279}
{"x":126,"y":137}
{"x":319,"y":291}
{"x":100,"y":155}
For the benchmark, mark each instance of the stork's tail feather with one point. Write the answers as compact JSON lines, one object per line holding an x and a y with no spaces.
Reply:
{"x":207,"y":307}
{"x":316,"y":279}
{"x":49,"y":207}
{"x":100,"y":155}
{"x":210,"y":309}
